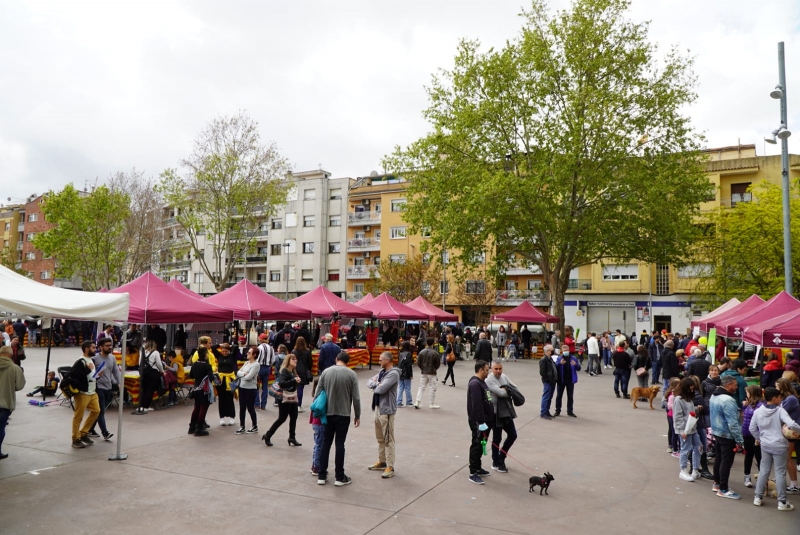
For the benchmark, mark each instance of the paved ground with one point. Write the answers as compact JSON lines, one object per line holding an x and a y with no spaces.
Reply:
{"x":612,"y":472}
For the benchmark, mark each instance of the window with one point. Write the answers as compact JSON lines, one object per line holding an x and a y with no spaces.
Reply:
{"x":511,"y":285}
{"x":307,"y":274}
{"x":274,"y":276}
{"x":534,"y":284}
{"x":308,"y":221}
{"x":398,"y":205}
{"x":333,"y":275}
{"x":398,"y":233}
{"x":378,"y":207}
{"x":30,"y":236}
{"x":32,"y":218}
{"x":291,"y":195}
{"x":377,"y":260}
{"x":693,"y":271}
{"x":5,"y":243}
{"x":378,"y":235}
{"x":358,"y":288}
{"x":277,"y":224}
{"x":275,"y":249}
{"x":359,"y":235}
{"x":199,"y":277}
{"x":310,"y":195}
{"x":308,"y":247}
{"x":445,"y":257}
{"x":476,"y":287}
{"x":397,"y":258}
{"x":621,"y":272}
{"x":8,"y":226}
{"x":426,"y":287}
{"x":426,"y":258}
{"x":425,"y":232}
{"x":30,"y":256}
{"x":479,"y":258}
{"x":444,"y":287}
{"x":336,"y":194}
{"x":739,"y":193}
{"x":291,"y":245}
{"x":334,"y":247}
{"x":44,"y":275}
{"x":291,"y":219}
{"x":335,"y":221}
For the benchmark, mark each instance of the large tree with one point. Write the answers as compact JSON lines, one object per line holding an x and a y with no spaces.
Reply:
{"x":405,"y":280}
{"x":569,"y":145}
{"x":741,"y":253}
{"x":85,"y":240}
{"x":232,"y":182}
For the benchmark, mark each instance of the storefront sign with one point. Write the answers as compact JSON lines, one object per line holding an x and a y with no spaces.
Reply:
{"x":630,"y":304}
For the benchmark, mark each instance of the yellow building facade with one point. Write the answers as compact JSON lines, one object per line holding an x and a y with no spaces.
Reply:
{"x":11,"y":231}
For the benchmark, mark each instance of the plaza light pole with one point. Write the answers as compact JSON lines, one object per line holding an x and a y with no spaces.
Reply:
{"x":287,"y":245}
{"x":783,"y":133}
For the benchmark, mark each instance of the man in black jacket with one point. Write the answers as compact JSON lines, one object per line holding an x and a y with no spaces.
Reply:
{"x":480,"y":412}
{"x":483,"y":349}
{"x":699,"y":366}
{"x":622,"y":369}
{"x":304,"y":332}
{"x":526,"y":336}
{"x":669,"y":363}
{"x":158,"y":335}
{"x":549,"y":373}
{"x":656,"y":349}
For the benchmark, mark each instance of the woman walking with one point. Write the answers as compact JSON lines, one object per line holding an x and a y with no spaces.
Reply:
{"x":150,"y":373}
{"x":683,"y":411}
{"x":449,"y":354}
{"x":642,"y":362}
{"x":226,"y":370}
{"x":248,"y":388}
{"x":303,"y":354}
{"x":501,"y":342}
{"x":287,"y":401}
{"x":203,"y":375}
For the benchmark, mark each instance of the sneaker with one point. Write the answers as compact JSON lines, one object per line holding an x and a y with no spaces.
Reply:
{"x":94,"y":434}
{"x":252,"y":430}
{"x":793,"y":490}
{"x":342,"y":482}
{"x":747,"y":482}
{"x":676,"y":454}
{"x":502,"y":468}
{"x":107,"y":436}
{"x":389,"y":472}
{"x":434,"y":407}
{"x":545,"y":416}
{"x":223,"y":421}
{"x":729,"y":494}
{"x":300,"y":409}
{"x":785,"y":506}
{"x":78,"y":444}
{"x":695,"y":474}
{"x":400,"y":405}
{"x":757,"y":501}
{"x":314,"y":471}
{"x":240,"y":431}
{"x":377,"y":466}
{"x":685,"y":476}
{"x":556,"y":414}
{"x":86,"y":440}
{"x":322,"y":481}
{"x":483,"y":473}
{"x":475,"y":478}
{"x":416,"y":405}
{"x":669,"y":450}
{"x":715,"y":487}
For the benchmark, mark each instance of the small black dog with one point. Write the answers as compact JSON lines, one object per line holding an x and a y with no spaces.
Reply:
{"x":543,"y":482}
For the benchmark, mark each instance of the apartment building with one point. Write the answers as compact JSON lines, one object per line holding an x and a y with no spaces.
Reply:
{"x":10,"y":231}
{"x":296,"y":250}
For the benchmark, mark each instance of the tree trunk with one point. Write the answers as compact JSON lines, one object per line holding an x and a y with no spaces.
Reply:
{"x":558,"y":289}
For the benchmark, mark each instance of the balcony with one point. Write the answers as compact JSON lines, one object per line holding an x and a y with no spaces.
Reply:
{"x":260,"y":284}
{"x":260,"y":234}
{"x":538,"y":298}
{"x":523,"y":271}
{"x":362,"y":272}
{"x":183,"y":264}
{"x":250,"y":260}
{"x":579,"y":284}
{"x":355,"y":219}
{"x":20,"y":227}
{"x":363,"y":244}
{"x":736,"y":198}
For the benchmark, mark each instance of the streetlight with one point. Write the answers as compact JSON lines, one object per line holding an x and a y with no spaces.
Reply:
{"x":783,"y":133}
{"x":287,"y":245}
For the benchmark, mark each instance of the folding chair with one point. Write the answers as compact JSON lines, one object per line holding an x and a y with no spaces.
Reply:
{"x":62,"y":371}
{"x":182,"y":391}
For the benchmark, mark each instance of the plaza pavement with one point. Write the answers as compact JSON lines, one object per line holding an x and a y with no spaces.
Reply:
{"x":612,"y":473}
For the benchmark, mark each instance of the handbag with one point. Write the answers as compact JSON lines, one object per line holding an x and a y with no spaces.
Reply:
{"x":290,"y":397}
{"x":641,"y":371}
{"x":233,"y":385}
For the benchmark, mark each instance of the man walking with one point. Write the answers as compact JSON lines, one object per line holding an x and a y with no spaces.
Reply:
{"x":483,"y":348}
{"x":428,"y":362}
{"x":622,"y":370}
{"x":526,"y":336}
{"x":549,"y":373}
{"x":669,"y":363}
{"x":82,"y":376}
{"x":727,"y":433}
{"x":12,"y":380}
{"x":384,"y":406}
{"x":107,"y":376}
{"x":266,"y":357}
{"x":593,"y":348}
{"x":479,"y":411}
{"x":340,"y":385}
{"x":497,"y":382}
{"x":655,"y":349}
{"x":568,"y":368}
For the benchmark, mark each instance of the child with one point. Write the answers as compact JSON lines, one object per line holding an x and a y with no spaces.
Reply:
{"x":171,"y":377}
{"x":672,"y":437}
{"x":683,"y":408}
{"x":50,"y":389}
{"x":708,"y":386}
{"x":754,"y":400}
{"x":319,"y":438}
{"x":765,"y":426}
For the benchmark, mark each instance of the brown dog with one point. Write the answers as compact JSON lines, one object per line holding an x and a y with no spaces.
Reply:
{"x":649,"y":393}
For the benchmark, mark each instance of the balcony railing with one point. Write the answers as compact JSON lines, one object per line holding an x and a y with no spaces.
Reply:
{"x":361,"y":272}
{"x":364,"y":244}
{"x":260,"y":284}
{"x":516,"y":297}
{"x":257,"y":259}
{"x":355,"y":219}
{"x":182,"y":264}
{"x":523,"y":271}
{"x":579,"y":284}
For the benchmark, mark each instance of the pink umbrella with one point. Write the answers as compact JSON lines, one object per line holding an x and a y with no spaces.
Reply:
{"x":386,"y":307}
{"x":323,"y":304}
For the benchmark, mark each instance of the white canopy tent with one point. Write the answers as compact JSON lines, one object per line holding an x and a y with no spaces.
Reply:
{"x":23,"y":296}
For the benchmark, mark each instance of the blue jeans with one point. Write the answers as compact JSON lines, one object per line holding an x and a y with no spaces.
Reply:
{"x":104,"y":397}
{"x":606,"y":357}
{"x":319,"y":437}
{"x":621,"y":376}
{"x":404,"y":385}
{"x":690,"y":444}
{"x":263,"y":376}
{"x":4,"y":415}
{"x":547,"y":397}
{"x":656,"y":372}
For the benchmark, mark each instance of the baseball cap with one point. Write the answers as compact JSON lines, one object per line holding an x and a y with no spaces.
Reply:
{"x":263,"y":336}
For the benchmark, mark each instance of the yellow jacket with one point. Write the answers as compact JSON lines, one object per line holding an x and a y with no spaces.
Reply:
{"x":132,"y":360}
{"x":181,"y":372}
{"x":210,"y":357}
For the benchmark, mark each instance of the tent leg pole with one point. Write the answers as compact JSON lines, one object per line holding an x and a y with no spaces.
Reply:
{"x":118,"y":455}
{"x":47,"y":364}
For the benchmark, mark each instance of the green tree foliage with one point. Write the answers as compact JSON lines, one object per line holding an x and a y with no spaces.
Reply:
{"x":405,"y":280}
{"x":232,"y":183}
{"x":87,"y":233}
{"x":567,"y":146}
{"x":743,"y":251}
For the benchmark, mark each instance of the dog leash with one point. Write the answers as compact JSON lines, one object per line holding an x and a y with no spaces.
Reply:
{"x":509,"y":455}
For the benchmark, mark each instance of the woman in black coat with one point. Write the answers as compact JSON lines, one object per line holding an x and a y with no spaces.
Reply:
{"x":288,"y":380}
{"x":304,"y":363}
{"x":201,"y":370}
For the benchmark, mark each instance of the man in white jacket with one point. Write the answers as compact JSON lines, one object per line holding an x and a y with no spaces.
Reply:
{"x":765,"y":426}
{"x":593,"y":348}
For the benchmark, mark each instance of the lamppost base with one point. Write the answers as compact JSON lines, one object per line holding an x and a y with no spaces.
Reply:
{"x":117,"y":457}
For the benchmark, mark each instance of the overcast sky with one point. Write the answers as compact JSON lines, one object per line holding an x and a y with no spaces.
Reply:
{"x":89,"y":88}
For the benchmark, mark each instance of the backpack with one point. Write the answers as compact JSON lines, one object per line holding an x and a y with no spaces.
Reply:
{"x":68,"y":388}
{"x":144,"y":363}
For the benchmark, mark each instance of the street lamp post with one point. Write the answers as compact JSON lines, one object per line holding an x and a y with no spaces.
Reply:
{"x":287,"y":245}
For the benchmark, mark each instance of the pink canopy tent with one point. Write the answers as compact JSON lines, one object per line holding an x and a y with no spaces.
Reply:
{"x":525,"y":313}
{"x":386,"y":307}
{"x":323,"y":304}
{"x":175,"y":283}
{"x":249,"y":302}
{"x":701,"y":323}
{"x":782,"y":332}
{"x":366,"y":299}
{"x":777,"y":306}
{"x":154,"y":301}
{"x":750,"y":303}
{"x":421,"y":304}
